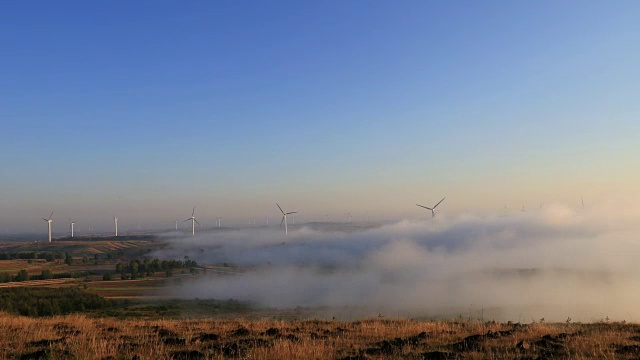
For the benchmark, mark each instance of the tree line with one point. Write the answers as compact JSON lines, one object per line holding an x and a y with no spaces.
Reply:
{"x":136,"y":269}
{"x":32,"y":301}
{"x":46,"y":274}
{"x":32,"y":255}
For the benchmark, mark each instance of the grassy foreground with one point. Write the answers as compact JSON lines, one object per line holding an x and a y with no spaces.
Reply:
{"x":82,"y":337}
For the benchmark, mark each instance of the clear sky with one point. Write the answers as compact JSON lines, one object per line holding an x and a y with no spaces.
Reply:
{"x":144,"y":109}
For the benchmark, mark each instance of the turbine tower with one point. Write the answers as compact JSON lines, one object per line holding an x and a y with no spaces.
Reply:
{"x":193,"y":221}
{"x":49,"y":222}
{"x":115,"y":221}
{"x":284,"y":219}
{"x":72,"y":224}
{"x":433,"y":212}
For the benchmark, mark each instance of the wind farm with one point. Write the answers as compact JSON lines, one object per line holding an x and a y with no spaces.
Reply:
{"x":408,"y":143}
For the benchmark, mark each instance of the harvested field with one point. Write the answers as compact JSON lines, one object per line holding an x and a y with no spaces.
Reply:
{"x":78,"y":336}
{"x":45,"y":283}
{"x":122,"y":289}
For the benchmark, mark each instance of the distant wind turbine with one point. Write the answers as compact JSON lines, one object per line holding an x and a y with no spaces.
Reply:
{"x":523,"y":210}
{"x":115,"y":221}
{"x":433,"y":212}
{"x":71,"y":223}
{"x":284,"y":219}
{"x":219,"y":219}
{"x":193,"y":221}
{"x":49,"y":222}
{"x":582,"y":200}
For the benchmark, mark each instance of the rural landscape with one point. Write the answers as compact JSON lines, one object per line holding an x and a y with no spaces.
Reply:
{"x":324,"y":180}
{"x":183,"y":296}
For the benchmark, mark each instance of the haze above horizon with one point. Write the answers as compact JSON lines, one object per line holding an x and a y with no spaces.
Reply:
{"x":145,"y":109}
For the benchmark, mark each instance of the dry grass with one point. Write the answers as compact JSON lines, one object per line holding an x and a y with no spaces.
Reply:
{"x":82,"y":337}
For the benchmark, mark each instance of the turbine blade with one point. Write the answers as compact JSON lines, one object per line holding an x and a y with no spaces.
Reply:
{"x":196,"y":221}
{"x":187,"y":220}
{"x":439,"y":202}
{"x":293,"y":212}
{"x":45,"y":219}
{"x":281,"y":221}
{"x":194,"y":211}
{"x":50,"y":215}
{"x":425,"y":207}
{"x":280,"y":208}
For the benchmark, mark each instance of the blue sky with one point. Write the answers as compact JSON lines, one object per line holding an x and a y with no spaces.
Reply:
{"x":147,"y":108}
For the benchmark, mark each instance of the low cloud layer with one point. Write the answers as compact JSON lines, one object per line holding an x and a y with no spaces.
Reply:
{"x":553,"y":263}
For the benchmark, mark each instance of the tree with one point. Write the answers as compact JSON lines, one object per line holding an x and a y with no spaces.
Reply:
{"x":23,"y":275}
{"x":46,"y":274}
{"x":107,"y":277}
{"x":68,"y":260}
{"x":169,"y":273}
{"x":119,"y":268}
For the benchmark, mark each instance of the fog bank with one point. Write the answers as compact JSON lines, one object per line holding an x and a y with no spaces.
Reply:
{"x":552,"y":263}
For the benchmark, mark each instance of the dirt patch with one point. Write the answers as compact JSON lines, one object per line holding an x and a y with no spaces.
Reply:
{"x":388,"y":347}
{"x":241,"y":331}
{"x":186,"y":355}
{"x":240,"y":347}
{"x":46,"y":342}
{"x":206,"y":337}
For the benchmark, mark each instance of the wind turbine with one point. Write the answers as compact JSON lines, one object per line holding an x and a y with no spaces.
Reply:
{"x":219,"y":218}
{"x":284,"y":219}
{"x":582,"y":200}
{"x":72,"y":223}
{"x":115,"y":221}
{"x":49,"y":221}
{"x":193,"y":221}
{"x":176,"y":225}
{"x":523,"y":210}
{"x":433,"y":212}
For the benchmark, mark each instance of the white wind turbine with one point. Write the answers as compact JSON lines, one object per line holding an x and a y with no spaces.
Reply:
{"x":115,"y":221}
{"x":433,"y":213}
{"x":284,"y":219}
{"x":72,"y":224}
{"x":49,"y":222}
{"x":219,"y":219}
{"x":193,"y":221}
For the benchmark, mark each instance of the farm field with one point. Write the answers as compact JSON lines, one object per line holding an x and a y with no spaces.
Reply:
{"x":85,"y":246}
{"x":78,"y":336}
